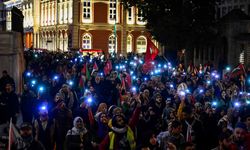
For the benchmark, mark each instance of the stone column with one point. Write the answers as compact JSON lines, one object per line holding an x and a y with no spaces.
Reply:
{"x":124,"y":32}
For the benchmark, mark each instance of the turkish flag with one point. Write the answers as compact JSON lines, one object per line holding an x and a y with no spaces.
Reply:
{"x":239,"y":70}
{"x":151,"y":52}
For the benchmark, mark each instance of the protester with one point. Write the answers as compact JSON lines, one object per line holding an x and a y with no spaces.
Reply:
{"x":26,"y":141}
{"x":78,"y":138}
{"x":146,"y":95}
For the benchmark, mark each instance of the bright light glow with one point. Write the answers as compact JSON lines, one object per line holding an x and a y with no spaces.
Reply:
{"x":89,"y":100}
{"x":237,"y":104}
{"x":214,"y":103}
{"x":71,"y":83}
{"x":228,"y":68}
{"x":182,"y":93}
{"x":41,"y":88}
{"x":28,"y":74}
{"x":171,"y":85}
{"x":33,"y":82}
{"x":55,"y":77}
{"x":201,"y":91}
{"x":133,"y":89}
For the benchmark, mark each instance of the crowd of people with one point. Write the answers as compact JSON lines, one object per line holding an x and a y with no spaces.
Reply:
{"x":107,"y":102}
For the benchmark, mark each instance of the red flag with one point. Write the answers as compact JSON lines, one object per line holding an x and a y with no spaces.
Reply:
{"x":83,"y":71}
{"x":13,"y":135}
{"x":108,"y":67}
{"x":147,"y":67}
{"x":239,"y":70}
{"x":95,"y":67}
{"x":128,"y":80}
{"x":151,"y":52}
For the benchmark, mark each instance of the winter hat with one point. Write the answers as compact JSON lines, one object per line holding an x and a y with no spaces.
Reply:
{"x":76,"y":119}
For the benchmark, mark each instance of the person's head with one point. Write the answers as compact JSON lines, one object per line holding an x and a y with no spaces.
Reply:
{"x":60,"y":104}
{"x":97,"y":79}
{"x":8,"y":88}
{"x":188,"y":146}
{"x":175,"y":127}
{"x":223,"y":94}
{"x":240,"y":132}
{"x":25,"y":87}
{"x":65,"y":88}
{"x":4,"y":73}
{"x":43,"y":114}
{"x":103,"y":118}
{"x":146,"y":93}
{"x":158,"y":98}
{"x":119,"y":121}
{"x":78,"y":123}
{"x":225,"y":139}
{"x":117,"y":111}
{"x":26,"y":131}
{"x":102,"y":107}
{"x":187,"y":112}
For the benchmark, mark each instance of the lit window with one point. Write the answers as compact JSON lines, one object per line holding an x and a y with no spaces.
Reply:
{"x":241,"y":57}
{"x":112,"y":44}
{"x":87,"y":5}
{"x":86,"y":41}
{"x":112,"y":11}
{"x":141,"y":44}
{"x":129,"y":44}
{"x":130,"y":15}
{"x":140,"y":17}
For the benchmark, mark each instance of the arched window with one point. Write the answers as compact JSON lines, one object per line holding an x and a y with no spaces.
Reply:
{"x":86,"y":41}
{"x":112,"y":44}
{"x":141,"y":44}
{"x":129,"y":44}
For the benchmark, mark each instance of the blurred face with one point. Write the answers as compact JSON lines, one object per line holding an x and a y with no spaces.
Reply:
{"x":190,"y":148}
{"x":225,"y":143}
{"x":239,"y":134}
{"x":186,"y":115}
{"x":177,"y":130}
{"x":158,"y":99}
{"x":8,"y":88}
{"x":120,"y":121}
{"x":79,"y":124}
{"x":103,"y":108}
{"x":26,"y":132}
{"x":104,"y":118}
{"x":146,"y":93}
{"x":25,"y":87}
{"x":65,"y":89}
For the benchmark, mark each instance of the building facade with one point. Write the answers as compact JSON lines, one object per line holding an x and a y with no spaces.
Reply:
{"x":82,"y":24}
{"x":225,"y":6}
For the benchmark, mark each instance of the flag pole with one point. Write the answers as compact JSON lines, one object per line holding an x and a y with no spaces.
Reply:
{"x":9,"y":140}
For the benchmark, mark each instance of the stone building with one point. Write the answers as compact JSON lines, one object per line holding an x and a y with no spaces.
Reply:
{"x":87,"y":24}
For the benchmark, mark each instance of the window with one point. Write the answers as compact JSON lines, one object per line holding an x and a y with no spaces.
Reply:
{"x":129,"y":44}
{"x":86,"y":41}
{"x":87,"y":10}
{"x":141,"y":44}
{"x":112,"y":44}
{"x":241,"y":57}
{"x":130,"y":15}
{"x":140,"y":17}
{"x":112,"y":11}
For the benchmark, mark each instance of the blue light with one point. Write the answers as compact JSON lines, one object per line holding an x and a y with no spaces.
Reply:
{"x":182,"y":93}
{"x":165,"y":66}
{"x":133,"y":89}
{"x":75,"y":59}
{"x":135,"y":58}
{"x":169,"y":63}
{"x":159,"y":65}
{"x":152,"y":73}
{"x":201,"y":91}
{"x":187,"y":91}
{"x":101,"y":74}
{"x":89,"y":100}
{"x":208,"y":82}
{"x":28,"y":74}
{"x":214,"y":103}
{"x":55,"y":77}
{"x":171,"y":85}
{"x":33,"y":82}
{"x":200,"y":72}
{"x":41,"y":88}
{"x":131,"y":72}
{"x":135,"y":64}
{"x":217,"y":76}
{"x":134,"y":77}
{"x":36,"y":55}
{"x":57,"y":60}
{"x":43,"y":108}
{"x":71,"y":83}
{"x":228,"y":68}
{"x":145,"y":79}
{"x":236,"y":104}
{"x":140,"y":61}
{"x":248,"y":102}
{"x":116,"y":67}
{"x":241,"y":93}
